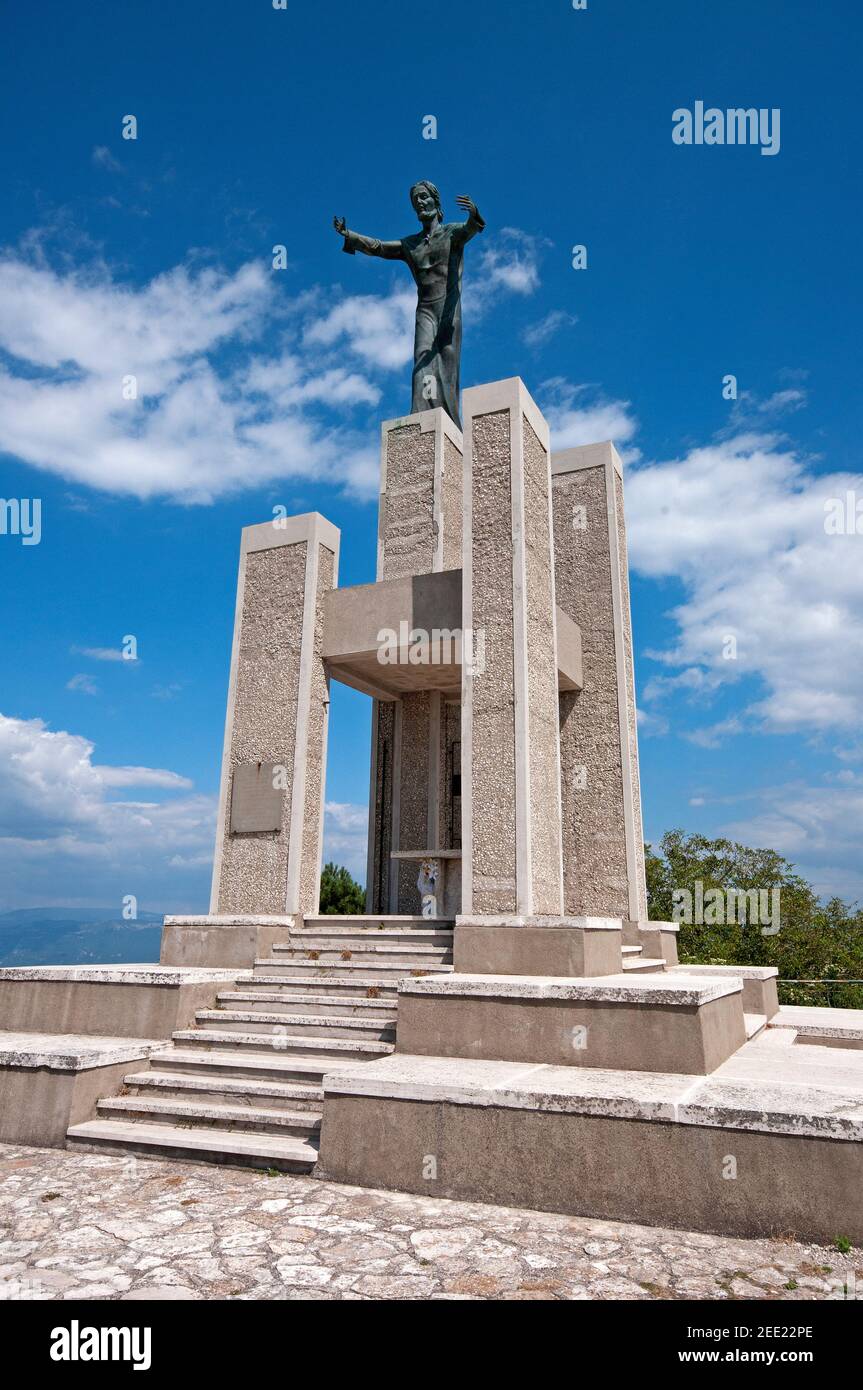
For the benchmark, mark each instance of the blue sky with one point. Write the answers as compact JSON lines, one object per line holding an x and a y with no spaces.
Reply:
{"x":258,"y":387}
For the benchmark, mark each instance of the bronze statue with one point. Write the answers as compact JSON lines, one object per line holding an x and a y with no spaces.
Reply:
{"x":435,"y":257}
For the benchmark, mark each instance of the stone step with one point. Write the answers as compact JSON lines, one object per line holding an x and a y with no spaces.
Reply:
{"x":246,"y":1091}
{"x":300,"y":1025}
{"x":394,"y":921}
{"x":203,"y":1114}
{"x":274,"y":1001}
{"x":204,"y":1039}
{"x":327,"y":951}
{"x":629,"y":952}
{"x":287,"y":1153}
{"x":247,"y":1065}
{"x":365,"y":971}
{"x":755,"y":1024}
{"x":341,"y":989}
{"x":388,"y":936}
{"x":644,"y":965}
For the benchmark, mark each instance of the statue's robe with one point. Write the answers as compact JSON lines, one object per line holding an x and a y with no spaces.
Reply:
{"x":436,"y":262}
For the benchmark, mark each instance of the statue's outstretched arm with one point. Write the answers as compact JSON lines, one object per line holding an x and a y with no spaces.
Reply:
{"x":475,"y":220}
{"x":369,"y":245}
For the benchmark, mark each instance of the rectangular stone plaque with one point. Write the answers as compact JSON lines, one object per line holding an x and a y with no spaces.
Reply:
{"x":256,"y":805}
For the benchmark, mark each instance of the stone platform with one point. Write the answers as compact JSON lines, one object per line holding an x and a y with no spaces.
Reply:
{"x":771,"y":1143}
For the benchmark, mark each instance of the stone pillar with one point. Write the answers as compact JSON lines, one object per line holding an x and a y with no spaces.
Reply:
{"x":603,"y":848}
{"x":511,"y":812}
{"x":271,"y":804}
{"x":419,"y":532}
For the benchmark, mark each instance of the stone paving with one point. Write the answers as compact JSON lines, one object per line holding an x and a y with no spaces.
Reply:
{"x":76,"y":1225}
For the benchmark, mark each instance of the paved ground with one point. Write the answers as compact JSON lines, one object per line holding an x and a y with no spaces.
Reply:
{"x":92,"y":1226}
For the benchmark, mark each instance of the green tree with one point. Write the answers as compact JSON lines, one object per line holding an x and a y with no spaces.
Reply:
{"x":341,"y":895}
{"x":816,"y":941}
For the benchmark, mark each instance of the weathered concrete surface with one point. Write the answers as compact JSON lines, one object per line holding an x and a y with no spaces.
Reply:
{"x":621,"y":1022}
{"x":141,"y":1001}
{"x":503,"y":945}
{"x":102,"y":1227}
{"x":222,"y":942}
{"x":49,"y":1082}
{"x":769,"y":1144}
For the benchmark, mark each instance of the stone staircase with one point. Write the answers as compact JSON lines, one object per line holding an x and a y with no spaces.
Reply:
{"x":245,"y":1084}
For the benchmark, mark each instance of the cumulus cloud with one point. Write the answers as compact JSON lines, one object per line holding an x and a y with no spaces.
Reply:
{"x":209,"y":412}
{"x":66,"y":838}
{"x":741,"y":524}
{"x":346,"y":836}
{"x":578,"y":414}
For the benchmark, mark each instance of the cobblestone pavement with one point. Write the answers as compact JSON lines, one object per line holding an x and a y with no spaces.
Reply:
{"x":93,"y":1226}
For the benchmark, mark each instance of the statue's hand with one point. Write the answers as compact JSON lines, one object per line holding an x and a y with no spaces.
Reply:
{"x":466,"y":204}
{"x":340,"y":225}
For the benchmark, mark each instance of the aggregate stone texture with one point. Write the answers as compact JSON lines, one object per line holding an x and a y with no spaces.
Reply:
{"x":407,"y":518}
{"x":254,"y":867}
{"x":594,"y":825}
{"x":85,"y":1226}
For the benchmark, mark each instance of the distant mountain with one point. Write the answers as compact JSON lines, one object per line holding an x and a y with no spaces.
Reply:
{"x":77,"y":936}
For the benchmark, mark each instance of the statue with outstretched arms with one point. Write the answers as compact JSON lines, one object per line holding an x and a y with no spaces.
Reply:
{"x":435,"y":256}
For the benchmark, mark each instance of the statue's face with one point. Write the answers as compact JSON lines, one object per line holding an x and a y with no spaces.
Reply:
{"x":424,"y":203}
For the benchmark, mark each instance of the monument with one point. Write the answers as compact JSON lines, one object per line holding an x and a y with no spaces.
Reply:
{"x":434,"y":256}
{"x":504,"y":1023}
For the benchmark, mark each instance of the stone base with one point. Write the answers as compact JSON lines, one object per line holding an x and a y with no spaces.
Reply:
{"x":49,"y":1082}
{"x":623,"y":1022}
{"x":759,"y":984}
{"x":141,"y":1001}
{"x":509,"y":945}
{"x":741,"y":1152}
{"x":223,"y":942}
{"x":658,"y":940}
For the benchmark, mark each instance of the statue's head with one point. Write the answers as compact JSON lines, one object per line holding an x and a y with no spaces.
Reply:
{"x":426,"y":200}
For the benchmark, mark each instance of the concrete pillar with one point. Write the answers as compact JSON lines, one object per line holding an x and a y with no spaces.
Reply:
{"x":419,"y":532}
{"x":271,"y":804}
{"x":511,"y":813}
{"x":603,"y":848}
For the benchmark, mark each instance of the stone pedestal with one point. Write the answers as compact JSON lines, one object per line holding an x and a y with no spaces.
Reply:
{"x":603,"y":850}
{"x":511,"y":813}
{"x":271,"y":806}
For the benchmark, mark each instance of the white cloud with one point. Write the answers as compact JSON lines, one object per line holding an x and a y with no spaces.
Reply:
{"x":99,"y":653}
{"x":576,"y":416}
{"x":84,"y":683}
{"x":141,"y":777}
{"x":740,"y":523}
{"x":378,"y":329}
{"x":346,"y":837}
{"x":537,"y":334}
{"x":211,"y":416}
{"x":817,"y":826}
{"x":64,"y":838}
{"x":510,"y":262}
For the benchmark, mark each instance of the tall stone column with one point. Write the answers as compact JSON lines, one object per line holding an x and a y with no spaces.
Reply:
{"x":419,"y":532}
{"x":603,"y":849}
{"x":511,"y":811}
{"x":271,"y":804}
